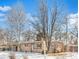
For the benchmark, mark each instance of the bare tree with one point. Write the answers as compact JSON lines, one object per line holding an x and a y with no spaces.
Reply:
{"x":2,"y":32}
{"x":44,"y":25}
{"x":75,"y":27}
{"x":29,"y":35}
{"x":3,"y":35}
{"x":16,"y":20}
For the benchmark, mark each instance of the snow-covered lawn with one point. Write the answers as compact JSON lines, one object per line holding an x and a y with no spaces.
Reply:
{"x":19,"y":55}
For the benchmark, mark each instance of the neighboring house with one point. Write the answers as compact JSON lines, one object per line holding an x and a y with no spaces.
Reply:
{"x":56,"y":46}
{"x":36,"y":46}
{"x":26,"y":46}
{"x":72,"y":46}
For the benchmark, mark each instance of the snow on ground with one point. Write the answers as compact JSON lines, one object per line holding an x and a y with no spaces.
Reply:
{"x":19,"y":55}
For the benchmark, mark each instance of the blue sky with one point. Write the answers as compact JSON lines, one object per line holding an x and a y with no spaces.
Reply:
{"x":31,"y":6}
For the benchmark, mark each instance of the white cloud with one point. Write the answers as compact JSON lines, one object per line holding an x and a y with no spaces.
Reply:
{"x":29,"y":17}
{"x":5,"y":8}
{"x":73,"y":19}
